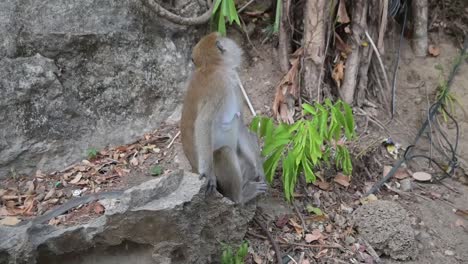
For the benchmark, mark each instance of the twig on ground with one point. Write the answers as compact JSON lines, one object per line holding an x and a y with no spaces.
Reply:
{"x":310,"y":245}
{"x":173,"y":139}
{"x":273,"y":242}
{"x":304,"y":228}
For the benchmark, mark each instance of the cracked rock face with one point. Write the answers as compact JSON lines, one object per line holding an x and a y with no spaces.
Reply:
{"x":165,"y":220}
{"x":84,"y":74}
{"x":387,"y":227}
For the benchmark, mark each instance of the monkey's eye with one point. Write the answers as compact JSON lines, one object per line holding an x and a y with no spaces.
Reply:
{"x":220,"y":47}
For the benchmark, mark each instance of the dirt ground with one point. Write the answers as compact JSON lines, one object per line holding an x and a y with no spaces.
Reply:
{"x":442,"y":236}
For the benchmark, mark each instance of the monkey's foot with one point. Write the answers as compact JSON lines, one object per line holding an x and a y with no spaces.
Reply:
{"x":260,"y":187}
{"x":211,"y":183}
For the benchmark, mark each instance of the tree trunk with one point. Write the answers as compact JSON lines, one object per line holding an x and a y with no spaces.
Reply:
{"x":420,"y":16}
{"x":284,"y":46}
{"x":359,"y":19}
{"x":314,"y":47}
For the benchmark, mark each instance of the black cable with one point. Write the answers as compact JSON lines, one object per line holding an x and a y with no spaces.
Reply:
{"x":433,"y":110}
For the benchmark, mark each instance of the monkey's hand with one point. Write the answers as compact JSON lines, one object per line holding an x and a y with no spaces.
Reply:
{"x":211,"y":182}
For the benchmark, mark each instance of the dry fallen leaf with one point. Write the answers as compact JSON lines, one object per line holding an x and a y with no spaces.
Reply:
{"x":297,"y":227}
{"x":338,"y":73}
{"x":316,"y":235}
{"x":323,"y":185}
{"x":98,"y":208}
{"x":9,"y":221}
{"x":77,"y":178}
{"x":256,"y":258}
{"x":29,"y":205}
{"x":402,"y":173}
{"x":282,"y":221}
{"x":342,"y":179}
{"x":433,"y":50}
{"x":50,"y":194}
{"x":31,"y":187}
{"x":422,"y":176}
{"x":4,"y":211}
{"x":134,"y":161}
{"x":322,"y":253}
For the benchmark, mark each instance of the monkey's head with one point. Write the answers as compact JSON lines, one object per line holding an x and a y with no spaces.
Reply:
{"x":213,"y":49}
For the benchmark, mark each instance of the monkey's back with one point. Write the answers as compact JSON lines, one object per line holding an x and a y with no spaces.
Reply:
{"x":206,"y":88}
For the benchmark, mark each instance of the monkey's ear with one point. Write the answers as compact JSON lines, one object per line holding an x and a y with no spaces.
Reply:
{"x":220,"y":47}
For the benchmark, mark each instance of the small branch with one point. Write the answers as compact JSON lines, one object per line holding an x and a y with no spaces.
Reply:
{"x":245,"y":6}
{"x":300,"y":217}
{"x":173,"y":139}
{"x":387,"y":83}
{"x":273,"y":242}
{"x":185,"y":21}
{"x":309,"y":245}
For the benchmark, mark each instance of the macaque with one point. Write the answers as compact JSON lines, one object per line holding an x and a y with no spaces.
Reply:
{"x":216,"y":142}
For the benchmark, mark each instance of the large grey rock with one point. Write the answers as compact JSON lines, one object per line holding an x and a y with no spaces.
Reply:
{"x":165,"y":220}
{"x":82,"y":74}
{"x":387,"y":227}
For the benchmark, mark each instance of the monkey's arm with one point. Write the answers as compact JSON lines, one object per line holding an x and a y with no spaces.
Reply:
{"x":74,"y":203}
{"x":204,"y":144}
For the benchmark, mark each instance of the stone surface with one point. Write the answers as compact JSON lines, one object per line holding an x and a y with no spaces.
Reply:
{"x":165,"y":220}
{"x":85,"y":74}
{"x":387,"y":227}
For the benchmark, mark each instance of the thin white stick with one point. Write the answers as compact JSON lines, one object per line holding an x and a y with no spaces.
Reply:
{"x":173,"y":139}
{"x":246,"y":96}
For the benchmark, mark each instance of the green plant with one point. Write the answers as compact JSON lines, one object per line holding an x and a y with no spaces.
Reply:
{"x":92,"y":153}
{"x":224,"y":9}
{"x":448,"y":99}
{"x":306,"y":144}
{"x":229,"y":257}
{"x":156,"y":170}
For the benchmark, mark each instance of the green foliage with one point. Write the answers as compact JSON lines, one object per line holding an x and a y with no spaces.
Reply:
{"x":229,"y":257}
{"x":222,"y":10}
{"x":306,"y":144}
{"x":156,"y":170}
{"x":92,"y":153}
{"x":277,"y":16}
{"x":448,"y":99}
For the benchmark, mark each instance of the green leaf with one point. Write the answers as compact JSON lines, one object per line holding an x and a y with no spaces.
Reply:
{"x":323,"y":124}
{"x":156,"y":170}
{"x":270,"y":165}
{"x":314,"y":210}
{"x":255,"y":124}
{"x":279,"y":143}
{"x":221,"y":25}
{"x":309,"y":109}
{"x":287,"y":171}
{"x":233,"y":12}
{"x":308,"y":172}
{"x":349,"y":121}
{"x":216,"y":6}
{"x":277,"y":16}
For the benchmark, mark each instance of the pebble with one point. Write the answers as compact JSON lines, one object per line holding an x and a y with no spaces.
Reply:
{"x":350,"y":240}
{"x":406,"y":185}
{"x":449,"y":253}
